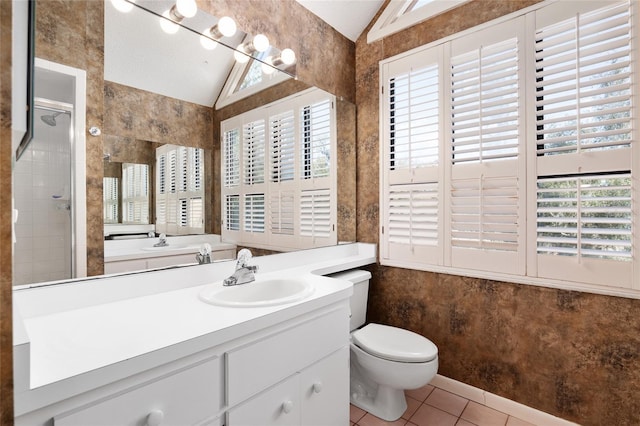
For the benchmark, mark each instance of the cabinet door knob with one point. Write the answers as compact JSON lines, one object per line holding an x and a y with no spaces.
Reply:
{"x":287,"y":406}
{"x":317,"y":387}
{"x":155,"y":418}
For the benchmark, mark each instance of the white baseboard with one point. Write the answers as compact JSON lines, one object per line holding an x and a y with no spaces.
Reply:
{"x":499,"y":403}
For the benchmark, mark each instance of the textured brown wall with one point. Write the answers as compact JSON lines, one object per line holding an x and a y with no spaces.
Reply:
{"x":571,"y":354}
{"x":71,"y":32}
{"x":6,"y":330}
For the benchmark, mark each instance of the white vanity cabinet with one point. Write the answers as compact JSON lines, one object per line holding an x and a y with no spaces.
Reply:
{"x":314,"y":396}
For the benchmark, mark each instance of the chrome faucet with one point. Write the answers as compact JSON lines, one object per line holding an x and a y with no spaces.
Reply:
{"x":244,"y":273}
{"x":162,"y":242}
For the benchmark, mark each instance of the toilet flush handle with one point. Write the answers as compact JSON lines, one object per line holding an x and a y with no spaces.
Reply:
{"x":317,"y":387}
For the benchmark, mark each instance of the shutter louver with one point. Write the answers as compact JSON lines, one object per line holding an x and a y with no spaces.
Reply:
{"x":254,"y":213}
{"x":231,"y":160}
{"x":110,"y":199}
{"x":484,"y":103}
{"x":484,"y":214}
{"x":583,"y":85}
{"x":232,"y":209}
{"x":316,"y":140}
{"x":282,"y":212}
{"x":196,"y":212}
{"x":414,"y":120}
{"x":586,"y":216}
{"x":282,"y":147}
{"x":253,"y":152}
{"x":413,"y":215}
{"x":315,"y":214}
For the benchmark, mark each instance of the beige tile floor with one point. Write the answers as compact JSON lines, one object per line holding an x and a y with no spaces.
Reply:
{"x":431,"y":406}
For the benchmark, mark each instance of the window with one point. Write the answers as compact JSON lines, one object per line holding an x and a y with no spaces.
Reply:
{"x":493,"y":169}
{"x":294,"y":204}
{"x":399,"y":15}
{"x":180,"y":190}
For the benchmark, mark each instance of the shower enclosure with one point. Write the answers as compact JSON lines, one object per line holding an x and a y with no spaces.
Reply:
{"x":49,"y":181}
{"x":42,"y":196}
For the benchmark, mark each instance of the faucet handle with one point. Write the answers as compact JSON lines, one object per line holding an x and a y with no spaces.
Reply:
{"x":243,"y":257}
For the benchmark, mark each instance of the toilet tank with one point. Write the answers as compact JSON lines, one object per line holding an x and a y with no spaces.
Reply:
{"x":358,"y":302}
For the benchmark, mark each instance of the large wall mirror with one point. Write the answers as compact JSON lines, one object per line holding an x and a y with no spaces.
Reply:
{"x":144,"y":88}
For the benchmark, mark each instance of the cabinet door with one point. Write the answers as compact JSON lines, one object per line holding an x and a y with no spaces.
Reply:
{"x":279,"y":405}
{"x":324,"y":389}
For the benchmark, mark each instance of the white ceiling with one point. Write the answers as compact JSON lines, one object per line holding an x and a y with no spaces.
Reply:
{"x":139,"y":54}
{"x":348,"y":17}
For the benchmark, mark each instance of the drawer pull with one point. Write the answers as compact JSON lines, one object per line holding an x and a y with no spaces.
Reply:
{"x":155,"y":418}
{"x":317,"y":387}
{"x":287,"y":406}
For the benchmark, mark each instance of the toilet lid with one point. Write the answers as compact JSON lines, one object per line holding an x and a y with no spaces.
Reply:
{"x":394,"y":344}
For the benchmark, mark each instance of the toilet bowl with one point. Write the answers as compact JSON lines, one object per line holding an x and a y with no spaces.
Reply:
{"x":385,"y":360}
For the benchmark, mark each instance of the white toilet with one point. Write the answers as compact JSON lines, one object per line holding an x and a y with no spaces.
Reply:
{"x":384,"y":360}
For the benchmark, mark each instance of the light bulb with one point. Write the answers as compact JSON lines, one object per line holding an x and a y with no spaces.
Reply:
{"x":122,"y":5}
{"x":187,"y":8}
{"x":240,"y":56}
{"x":288,"y":57}
{"x":227,"y":26}
{"x":206,"y":41}
{"x":260,"y":42}
{"x":266,"y":66}
{"x":167,"y":25}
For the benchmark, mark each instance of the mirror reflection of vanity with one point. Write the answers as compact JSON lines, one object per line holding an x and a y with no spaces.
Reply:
{"x":126,"y":113}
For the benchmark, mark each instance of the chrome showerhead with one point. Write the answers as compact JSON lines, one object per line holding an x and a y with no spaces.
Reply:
{"x":51,"y":119}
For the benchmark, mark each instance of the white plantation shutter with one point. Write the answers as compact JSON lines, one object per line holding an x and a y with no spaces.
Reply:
{"x":584,"y":140}
{"x":253,"y":148}
{"x":232,"y":213}
{"x":180,"y":190}
{"x":486,"y":212}
{"x":412,"y":224}
{"x":231,"y":158}
{"x":411,"y":159}
{"x":414,"y":109}
{"x":292,"y":140}
{"x":282,"y":147}
{"x":484,"y":104}
{"x":583,"y":74}
{"x":110,"y":199}
{"x":135,"y":193}
{"x":282,"y":212}
{"x":254,"y":210}
{"x":533,"y":174}
{"x":486,"y":224}
{"x":316,"y":218}
{"x":316,"y":131}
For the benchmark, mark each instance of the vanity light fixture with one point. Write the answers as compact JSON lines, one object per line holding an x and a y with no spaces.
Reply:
{"x":270,"y":63}
{"x":172,"y":17}
{"x":244,"y":51}
{"x":123,"y":6}
{"x":226,"y":27}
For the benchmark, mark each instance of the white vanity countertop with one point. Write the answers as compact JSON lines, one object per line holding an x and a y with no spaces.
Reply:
{"x":84,"y":335}
{"x":119,"y":250}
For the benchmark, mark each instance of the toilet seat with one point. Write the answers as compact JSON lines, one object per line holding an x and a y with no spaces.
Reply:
{"x":394,"y":344}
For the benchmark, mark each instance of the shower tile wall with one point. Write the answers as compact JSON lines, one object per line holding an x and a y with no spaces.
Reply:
{"x":42,"y":250}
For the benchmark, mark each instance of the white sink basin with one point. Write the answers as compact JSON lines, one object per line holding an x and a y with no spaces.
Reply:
{"x":163,"y":248}
{"x":261,"y":292}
